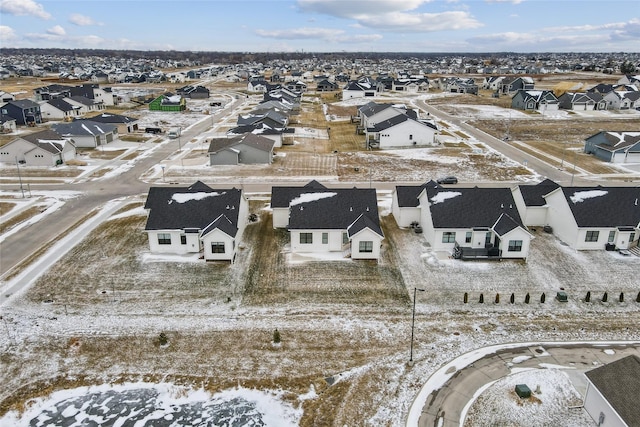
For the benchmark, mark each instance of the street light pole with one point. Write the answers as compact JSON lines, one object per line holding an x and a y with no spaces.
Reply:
{"x":413,"y":321}
{"x":19,"y":177}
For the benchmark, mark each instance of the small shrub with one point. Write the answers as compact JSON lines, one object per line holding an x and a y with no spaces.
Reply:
{"x":466,"y":297}
{"x":276,"y":336}
{"x":162,"y":339}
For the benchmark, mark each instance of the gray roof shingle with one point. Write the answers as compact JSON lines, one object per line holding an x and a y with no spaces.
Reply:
{"x":196,"y":206}
{"x":619,"y":383}
{"x":604,"y":206}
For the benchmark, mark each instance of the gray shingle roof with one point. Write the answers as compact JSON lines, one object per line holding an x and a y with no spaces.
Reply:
{"x":196,"y":206}
{"x":113,"y":118}
{"x":61,"y":104}
{"x":619,"y":383}
{"x":604,"y":206}
{"x":48,"y":140}
{"x":222,"y":223}
{"x":316,"y":207}
{"x":532,"y":194}
{"x":471,"y":207}
{"x":259,"y":142}
{"x":408,"y":194}
{"x":83,"y":128}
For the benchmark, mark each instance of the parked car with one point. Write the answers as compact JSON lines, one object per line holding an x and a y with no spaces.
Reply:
{"x":448,"y":180}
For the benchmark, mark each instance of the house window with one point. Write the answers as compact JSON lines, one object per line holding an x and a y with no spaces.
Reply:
{"x":612,"y":236}
{"x":183,"y":239}
{"x":467,"y":238}
{"x":632,"y":237}
{"x":306,"y":238}
{"x":345,"y":238}
{"x":366,"y":246}
{"x":410,"y":137}
{"x":217,"y":247}
{"x":325,"y":238}
{"x":592,"y":236}
{"x":164,"y":238}
{"x":448,"y":237}
{"x":515,"y":246}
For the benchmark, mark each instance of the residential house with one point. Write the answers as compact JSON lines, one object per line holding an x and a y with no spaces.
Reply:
{"x":271,"y":118}
{"x":534,"y":100}
{"x":629,"y":79}
{"x":43,"y":148}
{"x":277,"y":135}
{"x":362,"y":88}
{"x":7,"y":124}
{"x":194,"y":92}
{"x":196,"y":219}
{"x":595,"y":218}
{"x":469,"y":223}
{"x":322,"y":220}
{"x":297,"y":86}
{"x":326,"y":86}
{"x":586,"y":101}
{"x":612,"y":393}
{"x":24,"y":111}
{"x":493,"y":83}
{"x":531,"y":203}
{"x":614,"y":147}
{"x":59,"y":109}
{"x":257,"y":85}
{"x":168,"y":102}
{"x":514,"y":84}
{"x":243,"y":149}
{"x":86,"y":133}
{"x":86,"y":105}
{"x":401,"y":131}
{"x":6,"y":97}
{"x":125,"y":124}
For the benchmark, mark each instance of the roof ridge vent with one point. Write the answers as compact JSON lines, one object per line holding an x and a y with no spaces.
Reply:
{"x":351,"y":209}
{"x":228,"y":207}
{"x":501,"y":206}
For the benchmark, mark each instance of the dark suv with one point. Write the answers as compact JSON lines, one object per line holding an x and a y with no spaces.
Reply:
{"x":448,"y":180}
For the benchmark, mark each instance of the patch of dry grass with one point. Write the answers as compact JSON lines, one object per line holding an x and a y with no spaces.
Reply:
{"x":22,"y":216}
{"x":5,"y":207}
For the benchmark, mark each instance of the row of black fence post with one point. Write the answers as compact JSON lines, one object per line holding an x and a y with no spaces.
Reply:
{"x":543,"y":297}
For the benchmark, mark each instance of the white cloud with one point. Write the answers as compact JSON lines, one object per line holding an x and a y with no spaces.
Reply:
{"x":392,"y":15}
{"x":504,"y":1}
{"x":354,"y":8}
{"x":421,"y":22}
{"x":82,"y":20}
{"x":56,"y":30}
{"x":326,"y":34}
{"x":597,"y":37}
{"x":24,"y":8}
{"x":7,"y":33}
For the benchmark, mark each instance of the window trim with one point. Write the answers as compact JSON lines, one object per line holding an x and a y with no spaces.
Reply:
{"x":592,"y":236}
{"x":448,"y":237}
{"x":215,"y":248}
{"x":164,"y":238}
{"x":325,"y":238}
{"x":515,"y":246}
{"x":306,"y":238}
{"x":365,"y":246}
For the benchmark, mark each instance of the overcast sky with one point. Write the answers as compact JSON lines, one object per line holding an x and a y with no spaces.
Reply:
{"x":324,"y":25}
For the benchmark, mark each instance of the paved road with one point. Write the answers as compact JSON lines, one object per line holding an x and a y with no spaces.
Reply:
{"x":563,"y":177}
{"x":445,"y":406}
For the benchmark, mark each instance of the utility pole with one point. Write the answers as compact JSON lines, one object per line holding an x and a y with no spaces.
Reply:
{"x":413,"y":321}
{"x":19,"y":177}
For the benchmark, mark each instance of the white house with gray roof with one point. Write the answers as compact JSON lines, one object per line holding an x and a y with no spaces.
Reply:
{"x":469,"y":223}
{"x":196,"y":219}
{"x":87,"y":134}
{"x":594,"y":218}
{"x":322,"y":220}
{"x":243,"y":149}
{"x":44,"y":148}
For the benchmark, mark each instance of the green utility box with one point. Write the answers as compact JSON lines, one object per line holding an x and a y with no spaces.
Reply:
{"x":523,"y":391}
{"x":561,"y":296}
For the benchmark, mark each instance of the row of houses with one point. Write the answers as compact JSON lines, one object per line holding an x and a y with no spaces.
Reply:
{"x":467,"y":223}
{"x":258,"y":132}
